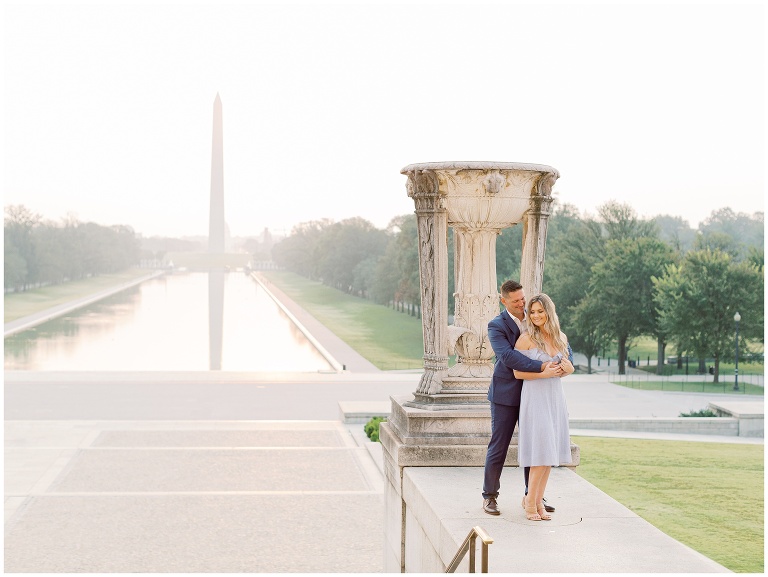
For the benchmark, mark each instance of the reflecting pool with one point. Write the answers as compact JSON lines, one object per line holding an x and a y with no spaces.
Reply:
{"x":178,"y":322}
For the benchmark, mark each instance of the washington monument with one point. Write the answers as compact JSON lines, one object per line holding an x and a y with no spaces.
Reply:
{"x":217,"y":225}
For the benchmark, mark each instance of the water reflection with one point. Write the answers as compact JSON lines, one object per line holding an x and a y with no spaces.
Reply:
{"x":215,"y":318}
{"x":195,"y":321}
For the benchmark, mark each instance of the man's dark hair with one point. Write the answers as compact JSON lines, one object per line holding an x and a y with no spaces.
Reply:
{"x":510,"y":286}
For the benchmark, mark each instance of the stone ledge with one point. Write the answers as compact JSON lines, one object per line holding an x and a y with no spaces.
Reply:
{"x":362,"y":411}
{"x":692,"y":425}
{"x":589,"y":533}
{"x":739,"y":409}
{"x":749,"y":415}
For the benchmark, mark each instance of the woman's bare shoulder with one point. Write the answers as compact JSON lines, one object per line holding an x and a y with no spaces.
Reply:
{"x":524,"y":342}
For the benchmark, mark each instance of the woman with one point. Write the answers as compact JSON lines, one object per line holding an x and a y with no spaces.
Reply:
{"x":544,"y":439}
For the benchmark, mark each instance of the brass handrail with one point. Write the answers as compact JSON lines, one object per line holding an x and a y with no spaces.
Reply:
{"x":469,"y":545}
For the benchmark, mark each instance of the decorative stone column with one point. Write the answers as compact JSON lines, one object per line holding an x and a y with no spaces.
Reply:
{"x":431,"y":221}
{"x":535,"y":234}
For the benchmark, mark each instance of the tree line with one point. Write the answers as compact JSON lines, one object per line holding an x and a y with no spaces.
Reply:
{"x":614,"y":276}
{"x":39,"y":252}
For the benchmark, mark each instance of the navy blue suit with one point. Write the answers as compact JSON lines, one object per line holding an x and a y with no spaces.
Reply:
{"x":504,"y":395}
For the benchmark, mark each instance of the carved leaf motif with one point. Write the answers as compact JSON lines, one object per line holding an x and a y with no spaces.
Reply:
{"x":422,"y":183}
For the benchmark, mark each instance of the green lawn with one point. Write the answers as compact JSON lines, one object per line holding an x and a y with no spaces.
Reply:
{"x":745,"y":368}
{"x":17,"y":305}
{"x":746,"y":386}
{"x":387,"y":338}
{"x":706,"y":495}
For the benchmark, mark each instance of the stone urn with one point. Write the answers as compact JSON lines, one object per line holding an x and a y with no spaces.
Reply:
{"x":477,"y":199}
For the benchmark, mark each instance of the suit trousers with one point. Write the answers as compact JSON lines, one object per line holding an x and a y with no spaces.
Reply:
{"x":503,"y":421}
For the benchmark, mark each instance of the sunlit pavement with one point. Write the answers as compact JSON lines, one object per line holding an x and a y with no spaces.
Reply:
{"x":189,"y":496}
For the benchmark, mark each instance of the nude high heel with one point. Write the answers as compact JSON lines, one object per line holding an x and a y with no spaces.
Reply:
{"x":530,"y":512}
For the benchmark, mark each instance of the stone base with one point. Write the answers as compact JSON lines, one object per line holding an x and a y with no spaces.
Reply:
{"x":421,"y":424}
{"x":447,"y":401}
{"x":433,"y":437}
{"x":455,"y":393}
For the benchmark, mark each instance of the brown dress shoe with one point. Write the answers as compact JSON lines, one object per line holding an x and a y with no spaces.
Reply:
{"x":490,"y":507}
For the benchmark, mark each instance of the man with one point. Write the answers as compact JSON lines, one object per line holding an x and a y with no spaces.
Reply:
{"x":505,"y":390}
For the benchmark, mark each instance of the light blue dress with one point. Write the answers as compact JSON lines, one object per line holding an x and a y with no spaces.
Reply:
{"x":544,"y":438}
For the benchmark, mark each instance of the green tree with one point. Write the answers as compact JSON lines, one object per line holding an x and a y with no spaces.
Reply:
{"x":716,"y":240}
{"x":299,"y":251}
{"x":345,"y":244}
{"x":385,"y":282}
{"x":509,"y":253}
{"x":19,"y":224}
{"x":406,"y":263}
{"x":745,"y":230}
{"x":586,"y":333}
{"x":364,"y":276}
{"x":51,"y":252}
{"x":15,"y":267}
{"x":698,"y":298}
{"x":621,"y":283}
{"x":675,"y":231}
{"x":574,"y":247}
{"x":620,"y":221}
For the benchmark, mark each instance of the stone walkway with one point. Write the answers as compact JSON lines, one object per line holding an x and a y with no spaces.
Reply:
{"x":190,"y":496}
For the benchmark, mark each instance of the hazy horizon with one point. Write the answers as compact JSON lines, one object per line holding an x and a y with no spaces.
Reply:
{"x":108,"y":108}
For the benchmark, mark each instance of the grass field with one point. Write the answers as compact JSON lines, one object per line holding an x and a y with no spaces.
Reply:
{"x":387,"y":338}
{"x":17,"y":305}
{"x":706,"y":495}
{"x":745,"y":368}
{"x":747,"y":385}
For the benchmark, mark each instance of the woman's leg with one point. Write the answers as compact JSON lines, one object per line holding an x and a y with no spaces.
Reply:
{"x":535,"y":490}
{"x":540,"y":500}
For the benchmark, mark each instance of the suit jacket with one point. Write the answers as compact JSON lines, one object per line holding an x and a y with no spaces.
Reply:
{"x":505,"y":388}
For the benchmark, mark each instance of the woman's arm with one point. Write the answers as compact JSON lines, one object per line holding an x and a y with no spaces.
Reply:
{"x":549,"y":372}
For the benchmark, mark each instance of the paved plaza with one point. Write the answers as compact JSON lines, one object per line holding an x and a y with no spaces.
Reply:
{"x":186,"y":496}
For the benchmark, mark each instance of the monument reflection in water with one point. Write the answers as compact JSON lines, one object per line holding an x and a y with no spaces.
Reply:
{"x":179,"y":322}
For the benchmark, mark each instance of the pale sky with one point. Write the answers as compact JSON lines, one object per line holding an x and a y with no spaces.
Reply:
{"x":108,"y":106}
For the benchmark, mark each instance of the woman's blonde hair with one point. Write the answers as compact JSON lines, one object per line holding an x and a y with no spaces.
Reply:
{"x":552,"y":326}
